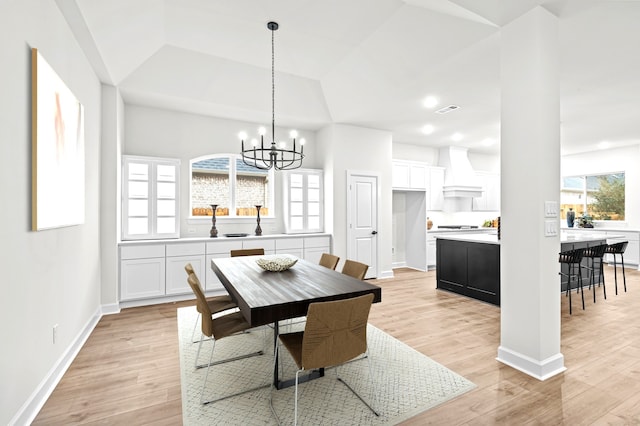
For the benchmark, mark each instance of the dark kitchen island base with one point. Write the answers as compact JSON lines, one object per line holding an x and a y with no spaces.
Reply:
{"x":469,"y":268}
{"x":470,"y":265}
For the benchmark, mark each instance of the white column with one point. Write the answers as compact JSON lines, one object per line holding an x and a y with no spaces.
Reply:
{"x":530,"y":175}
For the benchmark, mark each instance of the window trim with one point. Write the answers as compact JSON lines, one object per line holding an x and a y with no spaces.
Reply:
{"x":584,"y":191}
{"x":232,"y":188}
{"x":286,"y":191}
{"x":153,"y":163}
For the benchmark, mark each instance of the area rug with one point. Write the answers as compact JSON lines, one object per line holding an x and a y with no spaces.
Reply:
{"x":405,"y":381}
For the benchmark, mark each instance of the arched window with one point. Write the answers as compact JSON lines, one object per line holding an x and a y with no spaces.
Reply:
{"x":224,"y":180}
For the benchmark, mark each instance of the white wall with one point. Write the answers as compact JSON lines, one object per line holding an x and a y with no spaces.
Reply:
{"x":162,"y":133}
{"x":403,"y":151}
{"x":53,"y":276}
{"x":343,"y":148}
{"x":608,"y":161}
{"x":110,"y":194}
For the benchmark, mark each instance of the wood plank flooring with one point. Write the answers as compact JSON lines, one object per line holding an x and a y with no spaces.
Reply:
{"x":127,"y":372}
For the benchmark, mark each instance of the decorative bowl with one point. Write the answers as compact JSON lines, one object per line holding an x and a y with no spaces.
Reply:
{"x":276,"y":263}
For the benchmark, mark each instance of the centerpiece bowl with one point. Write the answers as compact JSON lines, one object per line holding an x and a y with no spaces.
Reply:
{"x":276,"y":263}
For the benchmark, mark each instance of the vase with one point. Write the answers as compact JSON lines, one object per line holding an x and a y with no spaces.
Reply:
{"x":571,"y":218}
{"x":214,"y":230}
{"x":258,"y":229}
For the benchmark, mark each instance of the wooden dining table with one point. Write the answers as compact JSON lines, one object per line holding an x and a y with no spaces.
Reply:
{"x":266,"y":297}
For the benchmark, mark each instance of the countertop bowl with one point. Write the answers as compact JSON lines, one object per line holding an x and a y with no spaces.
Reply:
{"x":276,"y":263}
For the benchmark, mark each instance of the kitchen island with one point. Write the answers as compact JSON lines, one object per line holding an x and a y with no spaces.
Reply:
{"x":469,"y":264}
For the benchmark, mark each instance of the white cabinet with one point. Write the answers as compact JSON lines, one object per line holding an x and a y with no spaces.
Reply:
{"x":632,"y":252}
{"x":431,"y":252}
{"x":150,"y":272}
{"x":142,"y":272}
{"x":490,"y":199}
{"x":436,"y":182}
{"x":409,"y":175}
{"x":177,"y":256}
{"x":215,"y":250}
{"x":292,"y":246}
{"x":315,"y":246}
{"x":268,"y":244}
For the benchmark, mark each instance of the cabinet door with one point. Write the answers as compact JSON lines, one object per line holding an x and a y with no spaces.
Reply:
{"x":176,"y":275}
{"x":400,"y":175}
{"x":313,"y":254}
{"x":142,"y":278}
{"x":431,"y":254}
{"x":418,"y":176}
{"x":269,"y":245}
{"x":212,"y":281}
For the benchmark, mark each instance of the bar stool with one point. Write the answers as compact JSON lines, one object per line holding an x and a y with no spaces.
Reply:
{"x":573,"y":259}
{"x":595,"y":253}
{"x":613,"y":249}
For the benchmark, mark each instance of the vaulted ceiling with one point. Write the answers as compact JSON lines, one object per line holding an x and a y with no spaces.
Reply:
{"x":370,"y":63}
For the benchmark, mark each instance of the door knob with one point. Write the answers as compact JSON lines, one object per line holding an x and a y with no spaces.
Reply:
{"x":374,"y":232}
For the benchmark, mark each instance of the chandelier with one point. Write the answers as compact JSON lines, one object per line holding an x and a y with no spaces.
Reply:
{"x":277,"y":155}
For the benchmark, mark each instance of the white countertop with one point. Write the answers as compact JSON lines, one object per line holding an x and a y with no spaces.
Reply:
{"x":493,"y":239}
{"x":220,"y":238}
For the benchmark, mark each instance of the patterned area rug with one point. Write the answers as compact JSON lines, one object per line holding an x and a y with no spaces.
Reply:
{"x":405,"y":381}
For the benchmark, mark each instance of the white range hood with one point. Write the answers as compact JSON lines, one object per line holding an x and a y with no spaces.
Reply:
{"x":459,"y":177}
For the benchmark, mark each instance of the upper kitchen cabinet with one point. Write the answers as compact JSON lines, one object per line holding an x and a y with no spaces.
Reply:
{"x":409,"y":175}
{"x":490,"y":199}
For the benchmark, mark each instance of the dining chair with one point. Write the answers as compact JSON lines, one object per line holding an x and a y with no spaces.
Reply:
{"x":594,"y":256}
{"x":613,"y":249}
{"x":335,"y":333}
{"x":329,"y":261}
{"x":216,"y":303}
{"x":573,"y":259}
{"x":247,"y":252}
{"x":218,"y":328}
{"x":355,"y":269}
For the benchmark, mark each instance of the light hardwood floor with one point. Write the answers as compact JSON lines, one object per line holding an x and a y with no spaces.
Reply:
{"x":127,"y":373}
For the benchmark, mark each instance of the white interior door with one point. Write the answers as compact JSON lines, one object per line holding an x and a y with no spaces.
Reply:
{"x":362,"y":214}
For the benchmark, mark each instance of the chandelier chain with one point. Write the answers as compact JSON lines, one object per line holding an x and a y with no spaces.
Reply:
{"x":273,"y":88}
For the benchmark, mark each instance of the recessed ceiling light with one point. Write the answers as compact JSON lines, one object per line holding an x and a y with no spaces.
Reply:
{"x":457,"y":137}
{"x":447,"y":109}
{"x":604,"y":145}
{"x":430,"y":102}
{"x":428,"y":129}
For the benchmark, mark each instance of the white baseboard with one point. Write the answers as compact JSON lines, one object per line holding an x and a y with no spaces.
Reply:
{"x":541,"y":370}
{"x":396,"y":265}
{"x":386,"y":274}
{"x":112,"y":308}
{"x":36,"y":401}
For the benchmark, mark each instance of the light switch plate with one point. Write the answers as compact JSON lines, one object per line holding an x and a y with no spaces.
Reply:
{"x":550,"y":228}
{"x":550,"y":209}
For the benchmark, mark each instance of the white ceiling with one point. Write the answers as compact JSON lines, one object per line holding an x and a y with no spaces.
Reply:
{"x":363,"y":62}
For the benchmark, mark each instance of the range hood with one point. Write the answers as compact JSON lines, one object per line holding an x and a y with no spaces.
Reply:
{"x":459,"y":178}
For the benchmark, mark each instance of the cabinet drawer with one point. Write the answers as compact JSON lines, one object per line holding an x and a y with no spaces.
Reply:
{"x":142,"y":252}
{"x":289,"y":243}
{"x":189,"y":249}
{"x":222,"y":247}
{"x":266,"y":244}
{"x":324,"y":241}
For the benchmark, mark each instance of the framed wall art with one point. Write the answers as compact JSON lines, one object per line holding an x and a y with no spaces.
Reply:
{"x":58,"y":166}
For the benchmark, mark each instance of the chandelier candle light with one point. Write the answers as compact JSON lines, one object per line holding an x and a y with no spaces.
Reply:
{"x":277,"y":155}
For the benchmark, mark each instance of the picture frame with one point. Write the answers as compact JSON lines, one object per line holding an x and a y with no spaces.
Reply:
{"x":57,"y":150}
